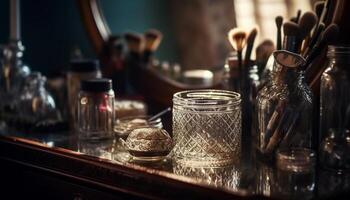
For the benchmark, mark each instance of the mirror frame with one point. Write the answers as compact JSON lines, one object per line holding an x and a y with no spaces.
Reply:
{"x":94,"y":22}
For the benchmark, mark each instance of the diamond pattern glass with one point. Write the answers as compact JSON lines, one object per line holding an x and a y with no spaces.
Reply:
{"x":207,"y":127}
{"x":228,"y":176}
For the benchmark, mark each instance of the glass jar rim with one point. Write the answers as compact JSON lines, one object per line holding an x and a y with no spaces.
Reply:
{"x":207,"y":97}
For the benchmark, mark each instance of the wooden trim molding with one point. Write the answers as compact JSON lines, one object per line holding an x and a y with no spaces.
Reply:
{"x":135,"y":180}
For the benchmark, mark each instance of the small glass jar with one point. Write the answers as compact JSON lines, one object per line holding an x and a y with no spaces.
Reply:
{"x":231,"y":77}
{"x":295,"y":174}
{"x":80,"y":69}
{"x":207,"y":127}
{"x":284,"y":109}
{"x":96,"y":109}
{"x":335,"y":110}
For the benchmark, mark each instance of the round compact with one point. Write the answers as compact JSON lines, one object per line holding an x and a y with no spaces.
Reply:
{"x":125,"y":125}
{"x":149,"y":143}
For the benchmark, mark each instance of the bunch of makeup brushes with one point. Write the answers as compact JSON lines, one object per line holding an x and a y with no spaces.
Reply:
{"x":142,"y":47}
{"x":305,"y":34}
{"x":117,"y":63}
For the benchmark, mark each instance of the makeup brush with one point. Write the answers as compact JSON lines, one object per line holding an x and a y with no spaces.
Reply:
{"x":316,"y":34}
{"x":306,"y":24}
{"x":152,"y":41}
{"x":135,"y":43}
{"x":291,"y":32}
{"x":324,"y":10}
{"x":279,"y":21}
{"x":237,"y":38}
{"x":318,"y":8}
{"x":263,"y":51}
{"x":297,"y":18}
{"x":328,"y":36}
{"x":250,"y":43}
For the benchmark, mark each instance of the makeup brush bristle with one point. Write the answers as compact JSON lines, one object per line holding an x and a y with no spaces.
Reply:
{"x":250,"y":43}
{"x":291,"y":29}
{"x":264,"y":50}
{"x":135,"y":42}
{"x":298,"y":16}
{"x":153,"y":38}
{"x":252,"y":35}
{"x":237,"y":38}
{"x":279,"y":21}
{"x":307,"y":23}
{"x":330,"y":33}
{"x":318,"y":7}
{"x":314,"y":38}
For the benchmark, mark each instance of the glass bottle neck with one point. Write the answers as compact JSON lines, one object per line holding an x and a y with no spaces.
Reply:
{"x":339,"y":56}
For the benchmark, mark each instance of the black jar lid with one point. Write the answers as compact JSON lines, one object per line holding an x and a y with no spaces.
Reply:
{"x":84,"y":65}
{"x":96,"y":85}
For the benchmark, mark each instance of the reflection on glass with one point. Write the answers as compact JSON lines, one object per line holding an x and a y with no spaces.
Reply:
{"x":285,"y":183}
{"x":294,"y":185}
{"x":331,"y":182}
{"x":228,"y":176}
{"x":99,"y":148}
{"x":265,"y":179}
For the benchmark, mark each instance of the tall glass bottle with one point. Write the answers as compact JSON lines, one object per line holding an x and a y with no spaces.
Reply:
{"x":284,"y":109}
{"x":335,"y":110}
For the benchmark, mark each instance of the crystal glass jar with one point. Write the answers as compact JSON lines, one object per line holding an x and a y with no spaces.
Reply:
{"x":207,"y":127}
{"x":284,"y":109}
{"x":96,"y":109}
{"x":334,"y":148}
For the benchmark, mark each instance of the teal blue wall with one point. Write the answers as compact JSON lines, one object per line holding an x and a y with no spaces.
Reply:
{"x":140,"y":15}
{"x":51,"y":28}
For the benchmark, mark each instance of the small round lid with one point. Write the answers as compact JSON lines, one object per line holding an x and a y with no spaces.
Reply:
{"x":84,"y":65}
{"x":96,"y":85}
{"x":149,"y":134}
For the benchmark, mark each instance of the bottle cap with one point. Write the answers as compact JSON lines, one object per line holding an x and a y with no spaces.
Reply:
{"x":96,"y":85}
{"x":84,"y":65}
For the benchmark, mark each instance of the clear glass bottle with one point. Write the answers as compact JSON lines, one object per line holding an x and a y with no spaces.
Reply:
{"x":35,"y":103}
{"x":12,"y":75}
{"x":284,"y":109}
{"x":335,"y":110}
{"x":80,"y":69}
{"x":96,"y":109}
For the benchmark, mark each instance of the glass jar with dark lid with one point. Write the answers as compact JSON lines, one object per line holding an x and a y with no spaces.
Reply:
{"x":96,"y":109}
{"x":80,"y":69}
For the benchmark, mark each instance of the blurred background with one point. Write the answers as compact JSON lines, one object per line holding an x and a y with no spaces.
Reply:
{"x":195,"y":31}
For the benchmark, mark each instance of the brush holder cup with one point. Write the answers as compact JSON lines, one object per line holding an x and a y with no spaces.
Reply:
{"x":207,"y":127}
{"x":284,"y":109}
